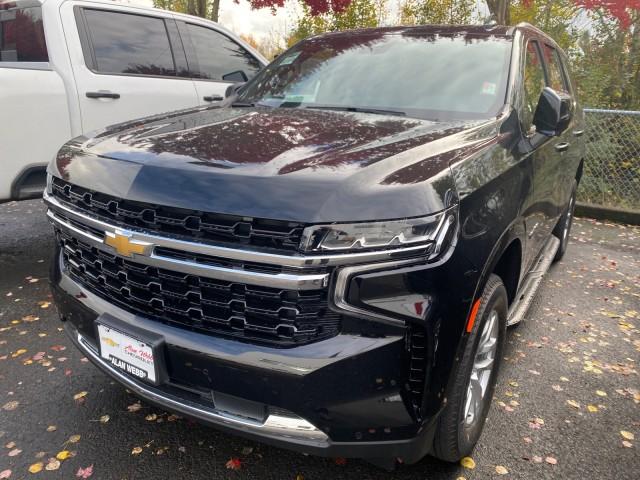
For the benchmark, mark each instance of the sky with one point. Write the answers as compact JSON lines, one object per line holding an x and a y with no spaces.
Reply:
{"x":242,"y":20}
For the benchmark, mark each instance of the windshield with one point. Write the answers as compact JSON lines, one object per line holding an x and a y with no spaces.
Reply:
{"x":432,"y":77}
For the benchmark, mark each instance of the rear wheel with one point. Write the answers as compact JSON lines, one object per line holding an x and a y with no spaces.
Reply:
{"x":461,"y":422}
{"x":563,"y":229}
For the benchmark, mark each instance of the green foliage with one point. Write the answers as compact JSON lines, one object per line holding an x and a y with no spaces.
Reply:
{"x":359,"y":14}
{"x":443,"y":12}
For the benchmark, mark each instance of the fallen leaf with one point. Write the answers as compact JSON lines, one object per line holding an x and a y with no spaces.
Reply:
{"x":85,"y":472}
{"x":551,"y":460}
{"x":104,"y":418}
{"x":627,"y":444}
{"x":247,"y":451}
{"x":80,"y":395}
{"x":58,"y":348}
{"x":14,"y":452}
{"x":151,"y":417}
{"x":5,"y":474}
{"x":592,"y":408}
{"x":627,"y":435}
{"x":574,"y":404}
{"x":52,"y":465}
{"x":35,"y":467}
{"x":10,"y":405}
{"x":234,"y":464}
{"x":136,"y":451}
{"x":536,"y":459}
{"x":468,"y":462}
{"x":51,"y":428}
{"x":64,"y":454}
{"x":134,"y":407}
{"x":10,"y":445}
{"x":74,"y":439}
{"x":500,"y":470}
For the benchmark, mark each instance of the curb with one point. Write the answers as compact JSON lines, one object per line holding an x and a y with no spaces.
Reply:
{"x":614,"y":214}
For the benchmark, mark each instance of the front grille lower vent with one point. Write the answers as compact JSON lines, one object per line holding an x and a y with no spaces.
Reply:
{"x":417,"y":347}
{"x":190,"y":224}
{"x":281,"y":318}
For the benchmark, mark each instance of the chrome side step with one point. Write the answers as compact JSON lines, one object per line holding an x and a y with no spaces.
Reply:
{"x":530,"y":285}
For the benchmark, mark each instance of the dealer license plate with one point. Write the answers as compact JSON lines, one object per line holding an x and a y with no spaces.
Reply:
{"x":127,"y":353}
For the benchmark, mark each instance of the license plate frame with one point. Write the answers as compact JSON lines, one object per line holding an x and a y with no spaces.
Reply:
{"x":139,"y":343}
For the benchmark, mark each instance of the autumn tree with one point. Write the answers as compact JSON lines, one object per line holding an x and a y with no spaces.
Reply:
{"x":359,"y":14}
{"x":419,"y":12}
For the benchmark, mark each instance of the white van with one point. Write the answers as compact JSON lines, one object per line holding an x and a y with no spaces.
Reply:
{"x":68,"y":67}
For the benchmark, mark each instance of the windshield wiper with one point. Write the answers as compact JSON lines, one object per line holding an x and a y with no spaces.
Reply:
{"x":377,"y":111}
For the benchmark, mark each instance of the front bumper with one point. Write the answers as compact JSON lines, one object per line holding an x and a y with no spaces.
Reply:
{"x":344,"y":396}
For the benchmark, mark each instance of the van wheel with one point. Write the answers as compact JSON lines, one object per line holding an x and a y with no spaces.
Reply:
{"x":563,"y":228}
{"x":460,"y":424}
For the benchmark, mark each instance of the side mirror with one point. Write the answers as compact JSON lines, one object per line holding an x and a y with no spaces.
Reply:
{"x":553,"y":112}
{"x":236,"y":76}
{"x":233,"y":89}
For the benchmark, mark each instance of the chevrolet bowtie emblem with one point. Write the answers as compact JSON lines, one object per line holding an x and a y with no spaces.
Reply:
{"x":126,"y":246}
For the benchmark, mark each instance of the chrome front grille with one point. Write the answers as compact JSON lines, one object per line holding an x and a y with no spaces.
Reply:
{"x":190,"y":224}
{"x":252,"y":313}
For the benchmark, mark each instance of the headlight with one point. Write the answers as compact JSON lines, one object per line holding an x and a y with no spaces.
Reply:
{"x":375,"y":235}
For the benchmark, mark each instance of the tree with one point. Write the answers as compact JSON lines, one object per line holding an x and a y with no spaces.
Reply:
{"x":359,"y":14}
{"x":419,"y":12}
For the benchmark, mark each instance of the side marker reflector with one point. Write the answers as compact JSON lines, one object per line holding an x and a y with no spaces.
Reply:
{"x":472,"y":316}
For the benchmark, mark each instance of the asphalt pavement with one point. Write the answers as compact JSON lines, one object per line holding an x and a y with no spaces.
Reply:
{"x":566,"y":405}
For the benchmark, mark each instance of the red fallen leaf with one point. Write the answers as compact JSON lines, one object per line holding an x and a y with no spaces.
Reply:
{"x":85,"y":472}
{"x":341,"y":461}
{"x":58,"y":348}
{"x":234,"y":464}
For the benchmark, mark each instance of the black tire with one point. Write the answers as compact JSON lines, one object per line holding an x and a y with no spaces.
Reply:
{"x":562,"y":230}
{"x":455,"y":438}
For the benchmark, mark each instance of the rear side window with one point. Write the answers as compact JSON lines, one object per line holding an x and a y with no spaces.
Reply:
{"x":556,"y":78}
{"x":218,"y":56}
{"x":129,"y":44}
{"x":22,"y":36}
{"x":534,"y":83}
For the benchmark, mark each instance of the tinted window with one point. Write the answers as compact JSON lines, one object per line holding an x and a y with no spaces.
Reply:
{"x":217,"y":55}
{"x":556,"y":79}
{"x":534,"y":83}
{"x":430,"y":76}
{"x":22,"y":36}
{"x":125,"y":43}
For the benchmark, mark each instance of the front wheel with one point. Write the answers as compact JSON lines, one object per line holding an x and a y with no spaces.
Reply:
{"x":563,"y":228}
{"x":461,"y":422}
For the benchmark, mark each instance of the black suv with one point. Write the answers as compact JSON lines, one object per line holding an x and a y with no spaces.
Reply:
{"x":327,"y":260}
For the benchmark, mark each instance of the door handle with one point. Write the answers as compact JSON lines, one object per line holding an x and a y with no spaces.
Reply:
{"x":213,"y":98}
{"x":103,"y":94}
{"x":561,"y":147}
{"x":578,"y":133}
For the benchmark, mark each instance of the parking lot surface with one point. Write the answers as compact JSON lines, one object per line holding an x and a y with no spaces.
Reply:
{"x":567,"y":404}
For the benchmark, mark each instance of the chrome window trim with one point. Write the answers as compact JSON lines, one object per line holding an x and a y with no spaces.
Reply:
{"x":292,"y":261}
{"x":27,"y":65}
{"x":295,"y":428}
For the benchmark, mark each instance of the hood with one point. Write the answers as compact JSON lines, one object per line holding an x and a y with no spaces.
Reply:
{"x":302,"y":165}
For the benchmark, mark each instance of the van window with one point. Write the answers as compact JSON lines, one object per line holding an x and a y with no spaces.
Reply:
{"x":22,"y":36}
{"x":129,"y":44}
{"x":217,"y":55}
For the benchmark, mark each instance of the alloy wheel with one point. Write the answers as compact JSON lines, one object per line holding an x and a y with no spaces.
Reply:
{"x":483,"y":362}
